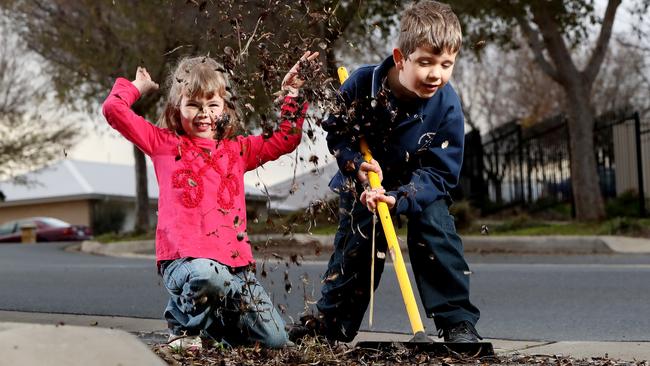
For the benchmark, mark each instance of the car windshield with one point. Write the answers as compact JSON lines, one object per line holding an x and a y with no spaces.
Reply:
{"x":52,"y":222}
{"x":7,"y":228}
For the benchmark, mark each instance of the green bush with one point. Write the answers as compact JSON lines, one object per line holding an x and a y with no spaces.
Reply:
{"x":521,"y":221}
{"x":548,"y":208}
{"x":625,"y":205}
{"x":108,"y":217}
{"x":464,"y":214}
{"x":624,"y":226}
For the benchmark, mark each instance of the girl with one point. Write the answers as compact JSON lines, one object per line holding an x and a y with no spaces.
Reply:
{"x":202,"y":249}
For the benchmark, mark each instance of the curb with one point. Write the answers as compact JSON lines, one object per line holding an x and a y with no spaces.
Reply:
{"x":309,"y":245}
{"x":536,"y":245}
{"x":134,"y":249}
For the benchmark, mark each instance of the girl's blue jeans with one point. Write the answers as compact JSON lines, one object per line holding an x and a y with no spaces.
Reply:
{"x":227,"y":304}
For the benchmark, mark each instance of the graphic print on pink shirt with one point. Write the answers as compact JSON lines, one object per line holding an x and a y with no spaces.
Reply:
{"x":191,"y":183}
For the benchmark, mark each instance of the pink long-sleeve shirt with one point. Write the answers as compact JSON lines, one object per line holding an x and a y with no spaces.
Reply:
{"x":201,"y":204}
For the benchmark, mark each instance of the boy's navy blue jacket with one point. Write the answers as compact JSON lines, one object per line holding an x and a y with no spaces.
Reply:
{"x":418,"y":144}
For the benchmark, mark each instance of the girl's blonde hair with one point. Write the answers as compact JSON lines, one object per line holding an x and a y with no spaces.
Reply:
{"x":196,"y":77}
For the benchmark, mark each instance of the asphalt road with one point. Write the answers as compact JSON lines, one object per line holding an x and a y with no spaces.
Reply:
{"x":559,"y":298}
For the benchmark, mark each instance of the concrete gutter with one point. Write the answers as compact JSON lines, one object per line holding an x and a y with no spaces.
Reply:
{"x":590,"y":349}
{"x":49,"y":344}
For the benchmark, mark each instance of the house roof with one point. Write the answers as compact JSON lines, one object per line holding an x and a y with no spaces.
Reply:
{"x":307,"y":188}
{"x":75,"y":179}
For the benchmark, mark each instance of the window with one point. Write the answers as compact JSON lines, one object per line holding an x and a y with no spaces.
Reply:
{"x":7,"y":228}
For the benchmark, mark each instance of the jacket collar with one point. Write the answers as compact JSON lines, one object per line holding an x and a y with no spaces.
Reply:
{"x":379,"y":73}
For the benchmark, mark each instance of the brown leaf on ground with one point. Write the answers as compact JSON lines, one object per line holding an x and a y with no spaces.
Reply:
{"x":316,"y":351}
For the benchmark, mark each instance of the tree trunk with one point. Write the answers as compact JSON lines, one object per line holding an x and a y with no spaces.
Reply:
{"x":585,"y":183}
{"x":141,"y":192}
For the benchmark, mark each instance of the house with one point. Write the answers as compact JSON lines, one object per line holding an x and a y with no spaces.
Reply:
{"x":299,"y":192}
{"x":89,"y":193}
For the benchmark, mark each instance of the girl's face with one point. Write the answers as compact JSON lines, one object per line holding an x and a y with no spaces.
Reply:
{"x":199,"y":115}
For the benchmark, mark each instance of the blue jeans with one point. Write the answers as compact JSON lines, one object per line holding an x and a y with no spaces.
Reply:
{"x":221,"y":302}
{"x":436,"y":254}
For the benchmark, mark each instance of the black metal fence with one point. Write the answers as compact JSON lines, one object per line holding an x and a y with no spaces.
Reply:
{"x":517,"y":166}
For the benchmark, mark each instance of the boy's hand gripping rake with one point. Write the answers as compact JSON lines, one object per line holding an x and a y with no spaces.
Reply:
{"x":419,"y":341}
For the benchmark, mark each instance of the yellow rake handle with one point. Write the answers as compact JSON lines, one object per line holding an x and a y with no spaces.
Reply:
{"x":391,"y":239}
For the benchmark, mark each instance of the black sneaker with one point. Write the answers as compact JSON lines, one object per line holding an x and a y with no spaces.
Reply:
{"x":309,"y":325}
{"x":463,"y":332}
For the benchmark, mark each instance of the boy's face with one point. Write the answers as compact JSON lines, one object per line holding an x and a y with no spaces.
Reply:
{"x":199,"y":115}
{"x":422,"y":72}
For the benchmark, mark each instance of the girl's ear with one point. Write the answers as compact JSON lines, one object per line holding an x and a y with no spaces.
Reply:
{"x":399,"y":58}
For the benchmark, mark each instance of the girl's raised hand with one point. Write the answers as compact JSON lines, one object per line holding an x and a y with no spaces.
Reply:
{"x":292,"y":81}
{"x":143,"y":81}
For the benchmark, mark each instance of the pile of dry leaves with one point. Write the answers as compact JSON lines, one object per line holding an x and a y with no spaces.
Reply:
{"x":316,"y":352}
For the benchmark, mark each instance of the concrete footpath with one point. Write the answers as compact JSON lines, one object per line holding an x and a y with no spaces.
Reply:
{"x":58,"y":339}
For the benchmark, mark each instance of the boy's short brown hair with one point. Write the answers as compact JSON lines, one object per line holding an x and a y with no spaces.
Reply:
{"x":429,"y":23}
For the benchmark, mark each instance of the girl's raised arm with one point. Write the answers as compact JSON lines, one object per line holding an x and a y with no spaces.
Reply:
{"x":257,"y":149}
{"x":118,"y":112}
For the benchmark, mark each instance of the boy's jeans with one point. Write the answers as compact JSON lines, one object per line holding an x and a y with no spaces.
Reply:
{"x":227,"y":305}
{"x":436,"y":254}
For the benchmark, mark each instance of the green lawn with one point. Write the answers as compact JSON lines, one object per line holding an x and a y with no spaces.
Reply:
{"x":516,"y":226}
{"x":616,"y":226}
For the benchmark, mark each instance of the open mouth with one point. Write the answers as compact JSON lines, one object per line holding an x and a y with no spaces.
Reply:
{"x":431,"y":87}
{"x":203,"y":125}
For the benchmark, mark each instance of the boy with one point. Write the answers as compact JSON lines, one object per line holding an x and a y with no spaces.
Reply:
{"x":413,"y":124}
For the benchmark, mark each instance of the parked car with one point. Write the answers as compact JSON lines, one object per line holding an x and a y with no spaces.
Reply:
{"x":47,"y":229}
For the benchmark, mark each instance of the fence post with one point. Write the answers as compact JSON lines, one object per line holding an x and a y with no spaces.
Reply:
{"x":520,"y":149}
{"x":639,"y":163}
{"x":568,"y":148}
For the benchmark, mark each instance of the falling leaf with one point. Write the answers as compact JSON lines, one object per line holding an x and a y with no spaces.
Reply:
{"x":331,"y":277}
{"x":485,"y":230}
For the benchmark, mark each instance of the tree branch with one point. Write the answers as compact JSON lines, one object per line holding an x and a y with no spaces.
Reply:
{"x":591,"y":71}
{"x":537,"y":47}
{"x":566,"y":70}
